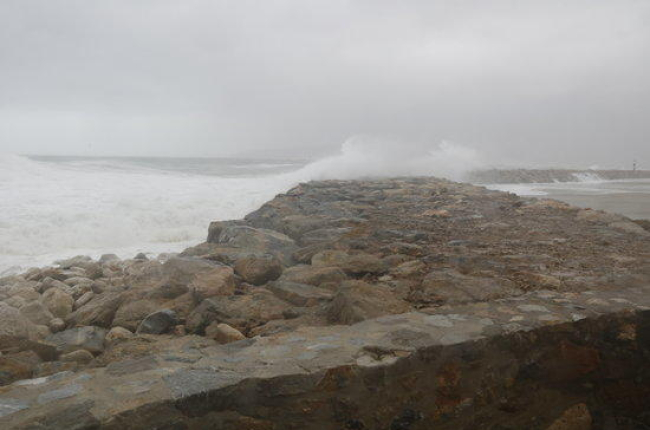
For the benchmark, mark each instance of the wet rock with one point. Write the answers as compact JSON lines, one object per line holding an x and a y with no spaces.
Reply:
{"x":258,"y":269}
{"x":89,"y":338}
{"x":357,"y":301}
{"x":131,"y":313}
{"x":58,"y":302}
{"x":158,"y":322}
{"x":223,"y":333}
{"x":300,"y":294}
{"x":100,"y":311}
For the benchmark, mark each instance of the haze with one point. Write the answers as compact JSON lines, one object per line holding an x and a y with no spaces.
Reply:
{"x":552,"y":82}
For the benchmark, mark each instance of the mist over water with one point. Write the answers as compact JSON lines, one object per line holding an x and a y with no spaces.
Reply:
{"x":58,"y":207}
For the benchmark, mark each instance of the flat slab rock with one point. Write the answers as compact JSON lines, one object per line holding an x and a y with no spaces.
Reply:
{"x":182,"y":387}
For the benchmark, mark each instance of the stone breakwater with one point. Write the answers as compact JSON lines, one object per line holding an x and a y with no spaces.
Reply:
{"x":529,"y":176}
{"x":398,"y":304}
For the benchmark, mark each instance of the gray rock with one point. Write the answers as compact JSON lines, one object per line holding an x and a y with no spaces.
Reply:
{"x":251,"y":239}
{"x":36,"y":312}
{"x":89,"y":338}
{"x":158,"y":322}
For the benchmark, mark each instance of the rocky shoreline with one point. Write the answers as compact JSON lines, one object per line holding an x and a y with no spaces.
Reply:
{"x":324,"y":255}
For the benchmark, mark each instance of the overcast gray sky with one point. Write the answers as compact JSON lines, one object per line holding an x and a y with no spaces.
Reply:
{"x":552,"y":82}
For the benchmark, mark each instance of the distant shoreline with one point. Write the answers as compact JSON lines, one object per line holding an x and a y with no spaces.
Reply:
{"x":530,"y":176}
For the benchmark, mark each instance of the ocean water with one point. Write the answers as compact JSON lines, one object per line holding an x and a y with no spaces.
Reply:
{"x":58,"y":207}
{"x":629,"y":197}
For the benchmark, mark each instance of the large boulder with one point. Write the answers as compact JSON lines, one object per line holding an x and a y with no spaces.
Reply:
{"x":251,"y":239}
{"x":357,"y":301}
{"x":58,"y":302}
{"x":100,"y":311}
{"x":37,"y":312}
{"x":258,"y":269}
{"x":13,"y":323}
{"x":202,"y":277}
{"x":240,"y":311}
{"x":449,"y":286}
{"x":131,"y":313}
{"x":90,"y":338}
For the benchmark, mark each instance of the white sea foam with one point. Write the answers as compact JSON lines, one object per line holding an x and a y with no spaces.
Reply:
{"x":53,"y":210}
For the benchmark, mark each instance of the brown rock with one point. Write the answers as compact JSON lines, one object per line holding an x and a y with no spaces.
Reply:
{"x":131,"y":313}
{"x":352,"y":264}
{"x":576,"y":417}
{"x":223,"y":333}
{"x":317,"y":276}
{"x":100,"y":311}
{"x":357,"y":301}
{"x":36,"y":312}
{"x":58,"y":302}
{"x":80,"y":356}
{"x":258,"y":269}
{"x":300,"y":294}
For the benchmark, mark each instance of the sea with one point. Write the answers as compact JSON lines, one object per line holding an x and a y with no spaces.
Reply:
{"x":52,"y":208}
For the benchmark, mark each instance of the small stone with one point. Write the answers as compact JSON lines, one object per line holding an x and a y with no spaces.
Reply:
{"x":223,"y":333}
{"x":179,"y":330}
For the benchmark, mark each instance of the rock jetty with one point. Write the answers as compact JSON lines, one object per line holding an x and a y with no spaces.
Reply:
{"x":400,"y":303}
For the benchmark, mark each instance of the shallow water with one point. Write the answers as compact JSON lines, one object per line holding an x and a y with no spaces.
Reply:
{"x":626,"y":197}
